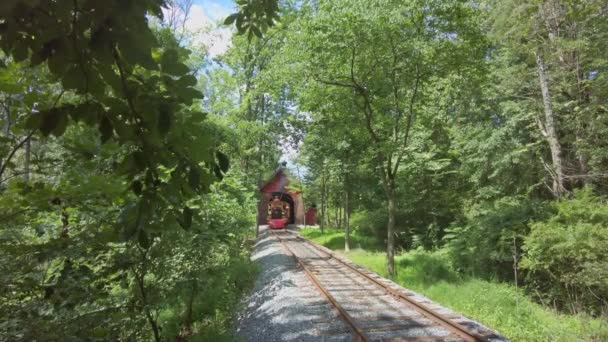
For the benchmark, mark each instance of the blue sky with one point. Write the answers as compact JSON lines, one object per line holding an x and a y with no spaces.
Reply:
{"x":216,"y":9}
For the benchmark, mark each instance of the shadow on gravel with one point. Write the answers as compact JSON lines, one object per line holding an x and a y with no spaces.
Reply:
{"x":276,"y":309}
{"x":263,"y":244}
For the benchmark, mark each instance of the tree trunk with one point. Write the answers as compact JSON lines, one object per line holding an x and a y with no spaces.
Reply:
{"x":188,"y":319}
{"x":390,"y":231}
{"x":26,"y":164}
{"x":339,"y":217}
{"x":346,"y":218}
{"x":515,"y":261}
{"x":583,"y":99}
{"x":257,"y":220}
{"x":335,"y":219}
{"x":550,"y":130}
{"x":6,"y":117}
{"x":140,"y":279}
{"x":323,"y":199}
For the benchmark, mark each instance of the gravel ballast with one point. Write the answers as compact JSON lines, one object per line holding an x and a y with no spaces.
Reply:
{"x":284,"y":305}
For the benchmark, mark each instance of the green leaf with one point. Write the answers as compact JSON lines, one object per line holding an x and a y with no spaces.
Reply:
{"x":20,"y":51}
{"x":137,"y":187}
{"x":74,"y":78}
{"x":218,"y":172}
{"x":186,"y":221}
{"x":127,"y":220}
{"x":143,"y":239}
{"x":230,"y":19}
{"x":106,"y":129}
{"x":6,"y":6}
{"x":117,"y":106}
{"x":239,"y":24}
{"x":54,"y":120}
{"x":194,"y":178}
{"x":95,"y":84}
{"x":33,"y":121}
{"x":136,"y":49}
{"x":164,"y":119}
{"x":171,"y":65}
{"x":186,"y":81}
{"x":61,"y":125}
{"x":39,"y":56}
{"x":189,"y":94}
{"x":110,"y":77}
{"x":101,"y":45}
{"x":224,"y":161}
{"x":256,"y":31}
{"x":88,"y":112}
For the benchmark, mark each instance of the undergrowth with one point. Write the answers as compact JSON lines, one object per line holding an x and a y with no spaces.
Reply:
{"x":500,"y":306}
{"x":219,"y":300}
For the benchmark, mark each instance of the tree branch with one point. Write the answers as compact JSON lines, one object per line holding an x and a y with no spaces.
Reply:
{"x":410,"y":118}
{"x":541,"y":126}
{"x":335,"y":83}
{"x":13,"y":151}
{"x":27,"y":138}
{"x":395,"y":92}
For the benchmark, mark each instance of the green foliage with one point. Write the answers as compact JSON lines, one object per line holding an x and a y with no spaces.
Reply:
{"x":471,"y":166}
{"x":370,"y":223}
{"x":491,"y":236}
{"x":254,"y":17}
{"x":259,"y":110}
{"x":334,"y":239}
{"x":565,"y":255}
{"x":121,"y":81}
{"x":203,"y":277}
{"x":67,"y":269}
{"x":120,"y":217}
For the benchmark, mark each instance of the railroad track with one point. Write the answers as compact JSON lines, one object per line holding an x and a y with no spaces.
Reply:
{"x":372,"y":309}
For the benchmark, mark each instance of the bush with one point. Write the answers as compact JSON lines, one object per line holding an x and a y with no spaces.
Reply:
{"x":566,"y":255}
{"x":88,"y":285}
{"x":370,"y":223}
{"x":373,"y":224}
{"x":491,"y":235}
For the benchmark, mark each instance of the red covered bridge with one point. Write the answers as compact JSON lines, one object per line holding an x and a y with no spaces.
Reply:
{"x":276,"y":187}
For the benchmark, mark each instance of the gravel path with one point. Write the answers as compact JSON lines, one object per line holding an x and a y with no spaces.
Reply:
{"x":284,"y":304}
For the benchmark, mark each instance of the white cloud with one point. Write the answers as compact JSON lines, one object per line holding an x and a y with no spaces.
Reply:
{"x":205,"y":27}
{"x":217,"y":41}
{"x":198,"y":20}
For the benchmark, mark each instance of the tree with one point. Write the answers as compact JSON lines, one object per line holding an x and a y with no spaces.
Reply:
{"x":560,"y":41}
{"x":385,"y":54}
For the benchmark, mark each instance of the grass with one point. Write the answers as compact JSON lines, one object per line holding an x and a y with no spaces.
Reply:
{"x":499,"y":306}
{"x":334,"y":240}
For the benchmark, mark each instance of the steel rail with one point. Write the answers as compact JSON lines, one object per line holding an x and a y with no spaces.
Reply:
{"x":458,"y":329}
{"x":357,"y":331}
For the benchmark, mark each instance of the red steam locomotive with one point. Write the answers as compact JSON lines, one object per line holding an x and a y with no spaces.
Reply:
{"x":278,"y":213}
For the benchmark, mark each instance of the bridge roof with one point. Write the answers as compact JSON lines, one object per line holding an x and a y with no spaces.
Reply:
{"x":276,"y":183}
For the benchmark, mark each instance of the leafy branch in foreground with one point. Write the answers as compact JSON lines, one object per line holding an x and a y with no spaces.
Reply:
{"x":254,"y":17}
{"x":123,"y":161}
